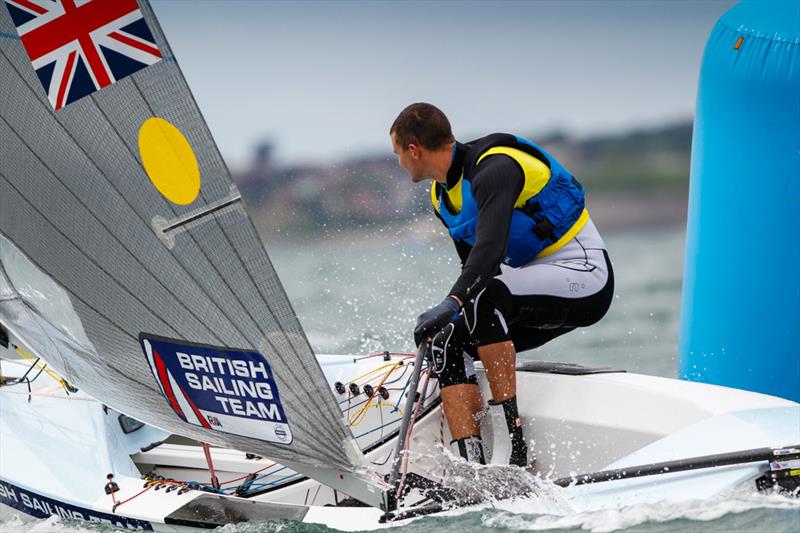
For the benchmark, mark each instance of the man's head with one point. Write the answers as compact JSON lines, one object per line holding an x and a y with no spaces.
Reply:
{"x":423,"y":141}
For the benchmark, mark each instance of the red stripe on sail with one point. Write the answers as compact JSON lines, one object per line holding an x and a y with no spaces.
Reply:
{"x":197,"y":412}
{"x":62,"y":89}
{"x":152,"y":50}
{"x":163,"y":377}
{"x":31,"y":6}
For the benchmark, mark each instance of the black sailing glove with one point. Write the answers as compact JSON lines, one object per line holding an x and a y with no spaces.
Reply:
{"x":435,"y":319}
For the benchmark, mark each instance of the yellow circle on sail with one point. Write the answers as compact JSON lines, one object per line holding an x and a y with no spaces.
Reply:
{"x":169,"y":161}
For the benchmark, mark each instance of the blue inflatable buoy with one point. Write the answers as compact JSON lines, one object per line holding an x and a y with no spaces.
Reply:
{"x":740,"y":321}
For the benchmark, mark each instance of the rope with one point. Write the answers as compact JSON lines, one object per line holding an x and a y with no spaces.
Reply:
{"x":407,"y":443}
{"x":359,"y":416}
{"x":43,"y":366}
{"x":150,"y":486}
{"x":35,"y":362}
{"x":207,"y":452}
{"x":378,"y":369}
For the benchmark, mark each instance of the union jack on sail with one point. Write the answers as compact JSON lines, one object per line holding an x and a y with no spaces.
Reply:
{"x":78,"y":47}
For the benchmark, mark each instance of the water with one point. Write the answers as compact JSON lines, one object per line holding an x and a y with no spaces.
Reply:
{"x":361,"y":292}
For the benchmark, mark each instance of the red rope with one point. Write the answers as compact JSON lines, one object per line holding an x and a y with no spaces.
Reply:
{"x":152,"y":484}
{"x":207,"y":452}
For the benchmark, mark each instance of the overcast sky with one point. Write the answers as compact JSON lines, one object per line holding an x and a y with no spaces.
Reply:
{"x":324,"y":80}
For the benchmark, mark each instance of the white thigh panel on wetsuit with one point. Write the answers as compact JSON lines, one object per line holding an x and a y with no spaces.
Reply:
{"x":577,"y":270}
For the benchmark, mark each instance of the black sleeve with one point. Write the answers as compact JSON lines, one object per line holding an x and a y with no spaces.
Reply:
{"x":497,"y":183}
{"x":462,"y":248}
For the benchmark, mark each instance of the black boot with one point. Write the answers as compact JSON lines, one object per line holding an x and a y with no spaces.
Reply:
{"x":471,"y":449}
{"x":519,"y":450}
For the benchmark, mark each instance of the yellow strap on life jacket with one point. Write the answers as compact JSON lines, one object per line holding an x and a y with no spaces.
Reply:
{"x":537,"y":174}
{"x":453,"y":195}
{"x":571,"y":232}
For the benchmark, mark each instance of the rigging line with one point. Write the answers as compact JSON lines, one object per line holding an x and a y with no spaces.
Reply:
{"x":398,"y":378}
{"x":375,"y":370}
{"x":324,"y":423}
{"x":89,"y":259}
{"x":53,"y":375}
{"x":362,"y":413}
{"x":400,"y":398}
{"x":91,"y":212}
{"x":150,"y":486}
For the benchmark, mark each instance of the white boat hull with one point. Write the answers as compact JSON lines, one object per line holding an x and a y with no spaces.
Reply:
{"x":55,"y":453}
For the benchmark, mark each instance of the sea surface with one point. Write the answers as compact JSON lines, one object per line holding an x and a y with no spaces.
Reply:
{"x":360,"y":292}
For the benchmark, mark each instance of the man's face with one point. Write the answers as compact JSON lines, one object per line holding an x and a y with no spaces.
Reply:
{"x":410,"y":158}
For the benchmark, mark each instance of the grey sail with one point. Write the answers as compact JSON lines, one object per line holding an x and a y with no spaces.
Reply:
{"x":129,"y":256}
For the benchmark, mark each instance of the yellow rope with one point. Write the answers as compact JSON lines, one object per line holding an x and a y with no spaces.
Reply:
{"x":374,"y":370}
{"x":43,"y":366}
{"x":361,"y":414}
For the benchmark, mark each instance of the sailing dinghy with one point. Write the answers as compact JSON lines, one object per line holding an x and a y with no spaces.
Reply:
{"x":155,"y":375}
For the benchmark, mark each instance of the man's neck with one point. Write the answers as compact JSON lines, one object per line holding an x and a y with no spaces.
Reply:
{"x":441,"y":164}
{"x":456,"y":167}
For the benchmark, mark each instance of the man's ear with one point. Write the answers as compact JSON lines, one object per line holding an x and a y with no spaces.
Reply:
{"x":415,"y":150}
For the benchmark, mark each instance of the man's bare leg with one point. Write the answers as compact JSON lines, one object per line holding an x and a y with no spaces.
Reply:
{"x":461,"y":403}
{"x":499,"y":360}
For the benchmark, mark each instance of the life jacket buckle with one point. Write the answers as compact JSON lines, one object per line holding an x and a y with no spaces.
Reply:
{"x":530,"y":208}
{"x":543,"y":228}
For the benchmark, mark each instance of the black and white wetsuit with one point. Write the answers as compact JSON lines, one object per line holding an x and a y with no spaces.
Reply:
{"x":531,"y":305}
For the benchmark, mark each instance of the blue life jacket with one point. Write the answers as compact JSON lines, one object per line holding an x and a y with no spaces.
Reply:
{"x":548,"y":213}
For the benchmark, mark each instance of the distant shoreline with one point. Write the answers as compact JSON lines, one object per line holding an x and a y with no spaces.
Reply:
{"x":612,"y":213}
{"x":629,"y":210}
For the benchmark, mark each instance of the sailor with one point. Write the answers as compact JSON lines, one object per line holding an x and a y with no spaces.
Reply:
{"x":503,"y":200}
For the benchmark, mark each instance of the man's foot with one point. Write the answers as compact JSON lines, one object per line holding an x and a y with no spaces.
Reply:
{"x":519,"y":451}
{"x":471,"y":449}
